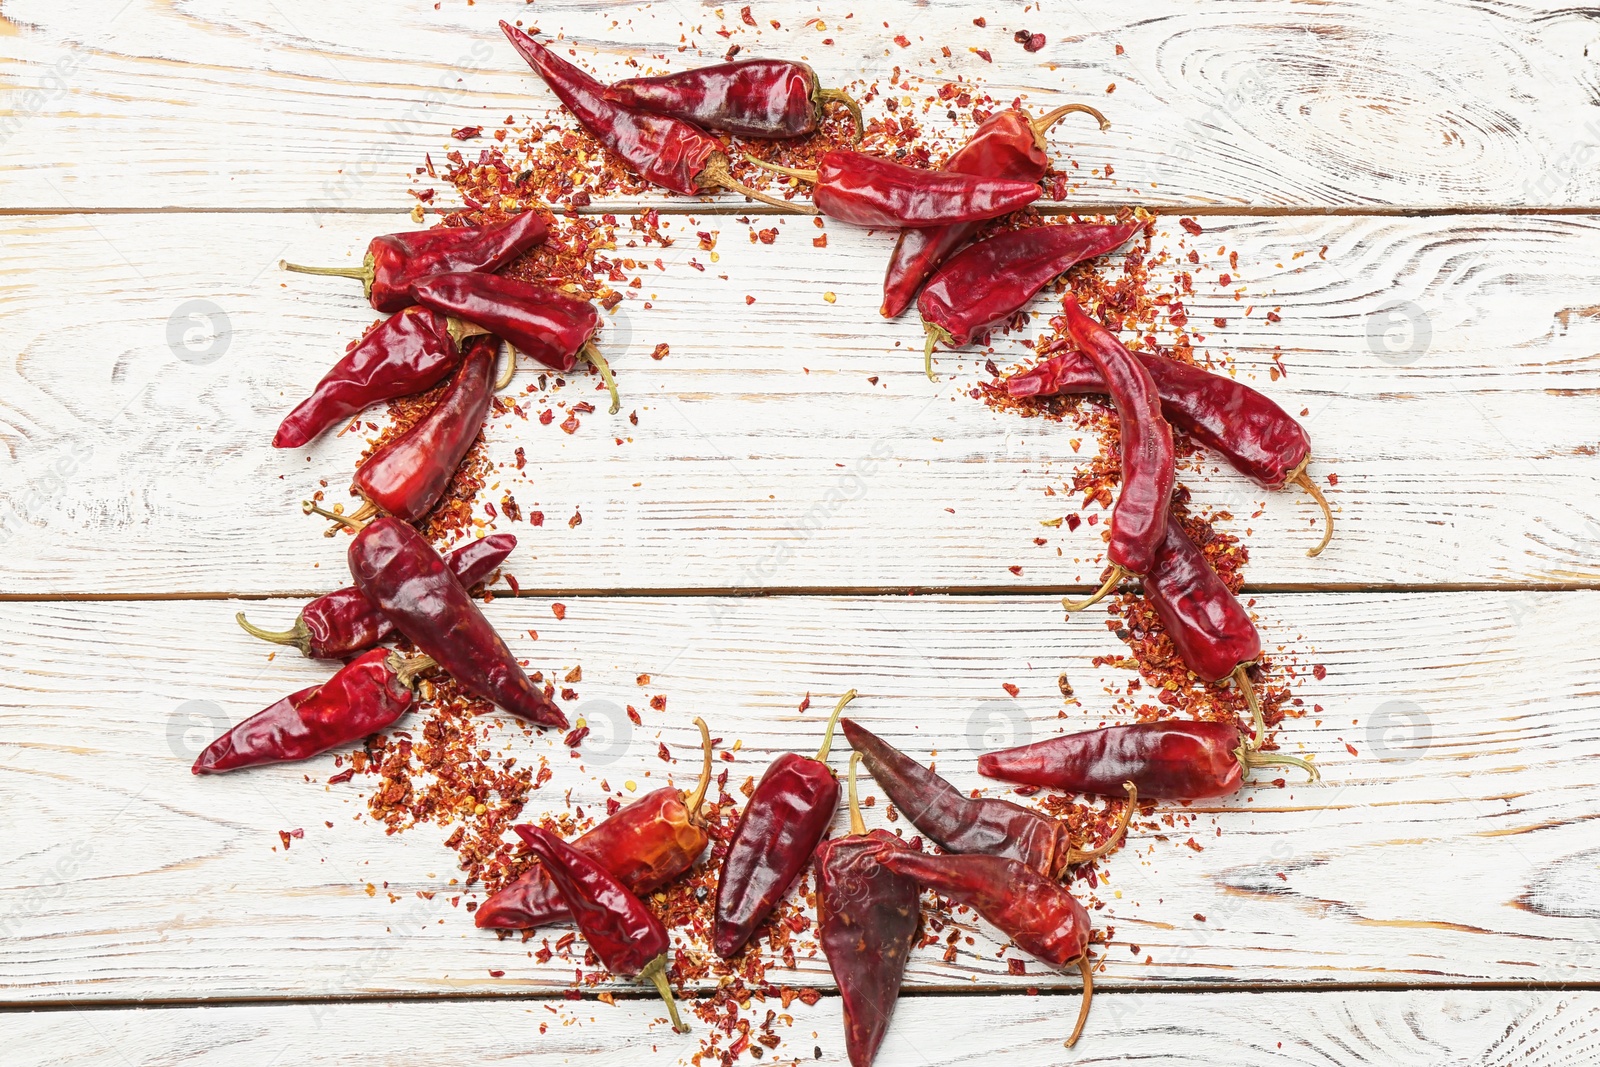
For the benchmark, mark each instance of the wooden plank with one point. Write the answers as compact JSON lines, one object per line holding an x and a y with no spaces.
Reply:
{"x":1349,"y":1029}
{"x":1446,"y":368}
{"x":1450,"y":842}
{"x":323,"y":107}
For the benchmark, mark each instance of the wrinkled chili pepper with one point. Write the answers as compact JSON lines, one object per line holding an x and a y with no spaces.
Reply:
{"x":1009,"y":144}
{"x":867,"y":919}
{"x":985,"y":284}
{"x":1044,"y":920}
{"x":867,"y":190}
{"x":410,"y":352}
{"x":396,"y":569}
{"x":629,"y":940}
{"x":1139,"y":519}
{"x":396,"y":261}
{"x":344,"y":622}
{"x":553,"y":328}
{"x":1168,"y":760}
{"x":778,"y":831}
{"x":1257,"y":437}
{"x":761,"y":98}
{"x":957,"y":822}
{"x":668,"y":151}
{"x":646,"y":844}
{"x":367,"y":695}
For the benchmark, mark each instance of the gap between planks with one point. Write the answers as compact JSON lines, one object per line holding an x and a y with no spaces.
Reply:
{"x":720,"y":208}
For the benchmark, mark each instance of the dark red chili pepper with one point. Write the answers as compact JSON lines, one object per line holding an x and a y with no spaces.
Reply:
{"x":762,"y":98}
{"x":1139,"y":520}
{"x":1168,"y":760}
{"x":406,"y":477}
{"x":367,"y":695}
{"x":1010,"y":144}
{"x":1045,"y":920}
{"x":553,"y":328}
{"x":668,"y":151}
{"x":867,"y":919}
{"x":344,"y":622}
{"x":868,"y":190}
{"x":985,"y":284}
{"x":1257,"y":437}
{"x":778,"y":831}
{"x":629,"y":940}
{"x":410,"y":352}
{"x":396,"y":569}
{"x":646,"y":844}
{"x":957,"y":822}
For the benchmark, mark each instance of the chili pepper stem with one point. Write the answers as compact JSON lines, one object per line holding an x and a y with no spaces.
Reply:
{"x":461,"y":329}
{"x":1253,"y":759}
{"x":591,"y":355}
{"x":1050,"y":118}
{"x":355,"y":522}
{"x":297,"y":635}
{"x":858,"y":826}
{"x":717,"y":175}
{"x":1075,"y":857}
{"x":793,"y":172}
{"x":935,"y":335}
{"x":695,"y":799}
{"x":824,"y":97}
{"x":827,"y":738}
{"x":408,"y":669}
{"x":1117,"y":574}
{"x":363,"y":274}
{"x":509,"y":371}
{"x":655,"y":972}
{"x":1303,"y":480}
{"x":1086,"y":968}
{"x":1258,"y":725}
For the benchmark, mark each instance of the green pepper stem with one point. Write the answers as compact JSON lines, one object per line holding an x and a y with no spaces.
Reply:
{"x":935,"y":335}
{"x":1258,"y":725}
{"x":1075,"y":857}
{"x":694,"y":800}
{"x":858,"y":826}
{"x":1303,"y":480}
{"x":827,"y":738}
{"x":1117,"y":574}
{"x":297,"y":635}
{"x":590,"y":354}
{"x":656,"y":972}
{"x":1086,"y":968}
{"x":361,"y":274}
{"x":718,"y":176}
{"x":824,"y":97}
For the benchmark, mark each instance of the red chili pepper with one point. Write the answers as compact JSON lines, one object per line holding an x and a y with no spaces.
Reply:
{"x":960,"y":823}
{"x":1045,"y":920}
{"x":1010,"y":144}
{"x":396,"y":569}
{"x":555,"y":329}
{"x":410,"y":352}
{"x":667,"y":151}
{"x":1257,"y":437}
{"x":778,"y":831}
{"x":344,"y":622}
{"x":867,"y":919}
{"x":366,"y":696}
{"x":1139,"y":520}
{"x":872,"y":191}
{"x":395,"y":261}
{"x":406,"y":477}
{"x":762,"y":98}
{"x":645,"y":845}
{"x":985,"y":284}
{"x":629,"y":940}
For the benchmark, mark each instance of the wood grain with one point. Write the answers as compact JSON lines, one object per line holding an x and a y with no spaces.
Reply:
{"x":1448,"y":844}
{"x":1446,"y":369}
{"x":323,"y":107}
{"x":1416,"y":1028}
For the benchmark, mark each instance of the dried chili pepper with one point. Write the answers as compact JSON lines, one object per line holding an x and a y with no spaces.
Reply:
{"x":668,"y":151}
{"x":553,"y":328}
{"x":960,"y":823}
{"x":778,"y":831}
{"x":410,"y":352}
{"x":761,"y":98}
{"x":646,"y":844}
{"x":367,"y":695}
{"x":986,"y":283}
{"x":867,"y":919}
{"x":867,"y":190}
{"x":1044,"y":920}
{"x":396,"y":261}
{"x":1139,"y":519}
{"x":344,"y":622}
{"x":629,"y":940}
{"x":1167,"y":760}
{"x":1257,"y":437}
{"x":1009,"y":144}
{"x":396,"y":569}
